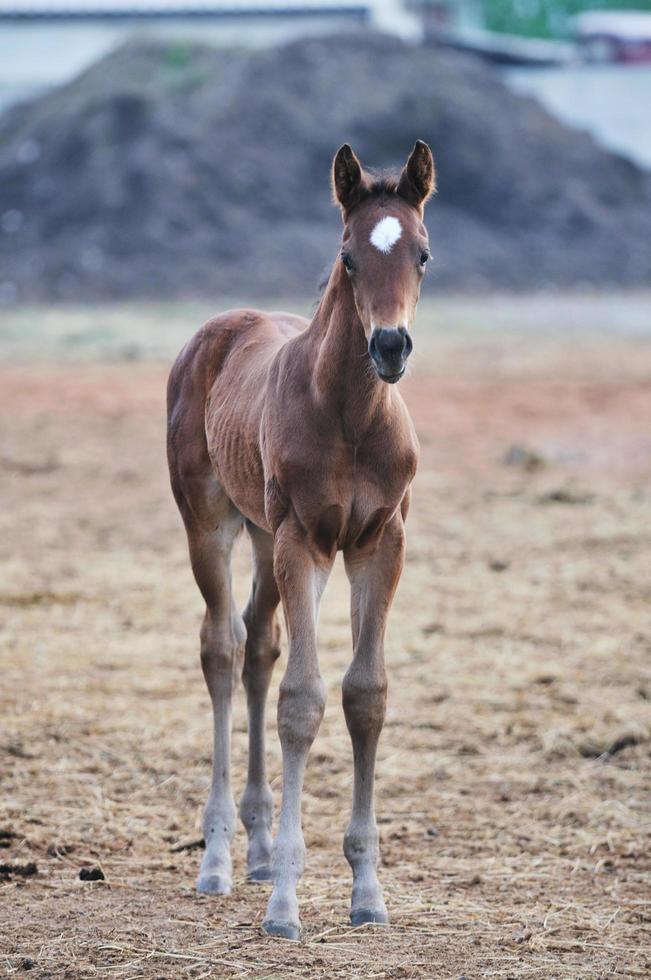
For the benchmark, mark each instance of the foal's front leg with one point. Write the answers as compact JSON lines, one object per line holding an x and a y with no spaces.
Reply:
{"x":373,"y":578}
{"x":301,"y":580}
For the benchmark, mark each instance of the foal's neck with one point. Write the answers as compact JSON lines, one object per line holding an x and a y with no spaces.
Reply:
{"x":343,"y":377}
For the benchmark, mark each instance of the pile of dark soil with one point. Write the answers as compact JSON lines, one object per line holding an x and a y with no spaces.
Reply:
{"x":179,"y":169}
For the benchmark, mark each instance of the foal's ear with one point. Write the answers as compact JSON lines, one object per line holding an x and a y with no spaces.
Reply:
{"x":418,"y":178}
{"x":347,"y":178}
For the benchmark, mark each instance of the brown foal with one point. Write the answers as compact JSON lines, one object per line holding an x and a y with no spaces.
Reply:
{"x":295,"y":429}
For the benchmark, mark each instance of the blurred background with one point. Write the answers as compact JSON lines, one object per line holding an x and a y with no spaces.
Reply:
{"x":154,"y":149}
{"x":162,"y":160}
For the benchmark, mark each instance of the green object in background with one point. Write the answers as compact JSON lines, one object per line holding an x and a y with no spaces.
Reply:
{"x":546,"y":18}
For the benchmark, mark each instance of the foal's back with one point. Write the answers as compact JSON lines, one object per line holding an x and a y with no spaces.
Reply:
{"x":235,"y":347}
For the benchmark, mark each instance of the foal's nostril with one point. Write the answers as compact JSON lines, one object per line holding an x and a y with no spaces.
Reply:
{"x":372,"y":347}
{"x":407,"y":345}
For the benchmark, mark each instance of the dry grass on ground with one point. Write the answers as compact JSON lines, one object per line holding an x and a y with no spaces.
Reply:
{"x":514,"y":773}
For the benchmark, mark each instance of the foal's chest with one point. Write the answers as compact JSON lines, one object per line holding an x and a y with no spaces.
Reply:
{"x":347,"y":495}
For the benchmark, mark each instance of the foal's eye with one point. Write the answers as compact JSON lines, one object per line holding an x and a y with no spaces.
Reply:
{"x":348,"y":262}
{"x":424,"y":256}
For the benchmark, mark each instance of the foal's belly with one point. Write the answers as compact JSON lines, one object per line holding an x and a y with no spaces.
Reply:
{"x":233,"y":413}
{"x":342,"y":497}
{"x":340,"y":505}
{"x":236,"y":461}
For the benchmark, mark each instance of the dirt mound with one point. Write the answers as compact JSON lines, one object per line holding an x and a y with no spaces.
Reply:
{"x":172,"y":169}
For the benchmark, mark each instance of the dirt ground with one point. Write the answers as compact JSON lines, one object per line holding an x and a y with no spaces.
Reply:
{"x":514,"y":776}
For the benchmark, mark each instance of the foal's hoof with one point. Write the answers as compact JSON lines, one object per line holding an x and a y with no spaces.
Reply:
{"x":261,"y":873}
{"x":358,"y":917}
{"x":284,"y":930}
{"x":214,"y":884}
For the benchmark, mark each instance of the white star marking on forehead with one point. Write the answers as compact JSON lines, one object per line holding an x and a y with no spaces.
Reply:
{"x":386,"y":233}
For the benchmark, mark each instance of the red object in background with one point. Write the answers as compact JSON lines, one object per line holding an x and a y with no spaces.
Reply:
{"x":614,"y":36}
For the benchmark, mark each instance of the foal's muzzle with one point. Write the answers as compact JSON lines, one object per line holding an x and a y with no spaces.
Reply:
{"x":389,"y":348}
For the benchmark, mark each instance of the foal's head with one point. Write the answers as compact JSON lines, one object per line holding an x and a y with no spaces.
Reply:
{"x":385,"y":250}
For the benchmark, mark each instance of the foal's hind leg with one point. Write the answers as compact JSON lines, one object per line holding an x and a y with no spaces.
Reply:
{"x":261,"y":652}
{"x":222,"y":638}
